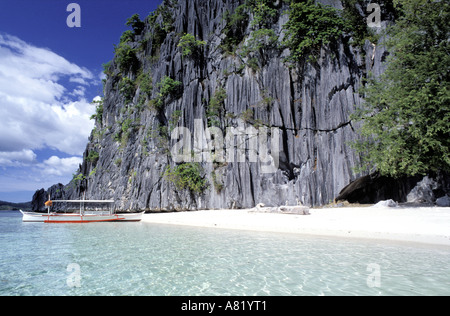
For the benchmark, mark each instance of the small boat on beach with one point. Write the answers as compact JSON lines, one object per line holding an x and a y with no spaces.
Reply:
{"x":83,"y":216}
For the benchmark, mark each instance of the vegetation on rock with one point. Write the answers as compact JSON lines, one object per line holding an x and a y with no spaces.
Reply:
{"x":190,"y":46}
{"x":406,"y":114}
{"x":187,"y":176}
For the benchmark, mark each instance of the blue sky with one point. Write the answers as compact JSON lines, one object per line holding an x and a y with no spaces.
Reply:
{"x":49,"y":75}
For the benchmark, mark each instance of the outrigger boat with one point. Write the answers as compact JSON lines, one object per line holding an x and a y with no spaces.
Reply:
{"x":83,"y":216}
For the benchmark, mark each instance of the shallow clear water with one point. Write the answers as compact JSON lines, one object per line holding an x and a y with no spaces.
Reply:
{"x":146,"y":259}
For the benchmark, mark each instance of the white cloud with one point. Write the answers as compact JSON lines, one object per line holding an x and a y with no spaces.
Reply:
{"x":17,"y":158}
{"x":37,"y":63}
{"x":21,"y":172}
{"x":43,"y":105}
{"x":78,"y":80}
{"x":37,"y":110}
{"x":55,"y":166}
{"x":102,"y":76}
{"x":79,"y":91}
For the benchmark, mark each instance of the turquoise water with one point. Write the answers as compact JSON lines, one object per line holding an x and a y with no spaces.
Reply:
{"x":146,"y":259}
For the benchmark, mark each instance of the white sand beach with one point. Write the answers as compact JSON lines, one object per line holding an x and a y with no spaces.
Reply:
{"x":429,"y":225}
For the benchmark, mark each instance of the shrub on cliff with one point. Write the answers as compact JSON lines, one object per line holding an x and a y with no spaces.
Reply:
{"x":187,"y":176}
{"x":167,"y":87}
{"x":136,"y":24}
{"x":190,"y":46}
{"x":125,"y":57}
{"x":311,"y":25}
{"x":236,"y":24}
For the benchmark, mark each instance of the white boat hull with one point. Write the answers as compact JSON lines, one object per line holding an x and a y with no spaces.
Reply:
{"x":132,"y":217}
{"x":77,"y":218}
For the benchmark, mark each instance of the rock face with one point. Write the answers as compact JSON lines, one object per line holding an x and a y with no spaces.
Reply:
{"x":301,"y":116}
{"x":431,"y":189}
{"x":56,"y":192}
{"x":417,"y":190}
{"x":373,"y":188}
{"x":423,"y":191}
{"x":443,"y":201}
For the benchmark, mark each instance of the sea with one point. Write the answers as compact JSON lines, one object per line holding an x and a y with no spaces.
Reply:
{"x":142,"y":259}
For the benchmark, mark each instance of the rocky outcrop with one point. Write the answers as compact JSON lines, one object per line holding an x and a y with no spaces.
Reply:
{"x":56,"y":192}
{"x":443,"y":201}
{"x":373,"y":188}
{"x":301,"y":116}
{"x":423,"y":191}
{"x":416,"y":190}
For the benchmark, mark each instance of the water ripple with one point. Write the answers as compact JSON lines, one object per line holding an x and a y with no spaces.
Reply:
{"x":144,"y":259}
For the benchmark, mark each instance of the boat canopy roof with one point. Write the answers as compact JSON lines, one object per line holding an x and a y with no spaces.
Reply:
{"x":83,"y":201}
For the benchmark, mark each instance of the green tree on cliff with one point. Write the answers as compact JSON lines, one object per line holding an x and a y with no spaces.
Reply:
{"x":406,"y":114}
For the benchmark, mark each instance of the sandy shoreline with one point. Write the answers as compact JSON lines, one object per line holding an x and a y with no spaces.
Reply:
{"x":430,"y":225}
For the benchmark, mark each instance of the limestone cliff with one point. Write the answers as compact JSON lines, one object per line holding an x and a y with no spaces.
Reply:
{"x":190,"y":65}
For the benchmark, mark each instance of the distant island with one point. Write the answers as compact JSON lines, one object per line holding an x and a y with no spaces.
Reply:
{"x":8,"y":206}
